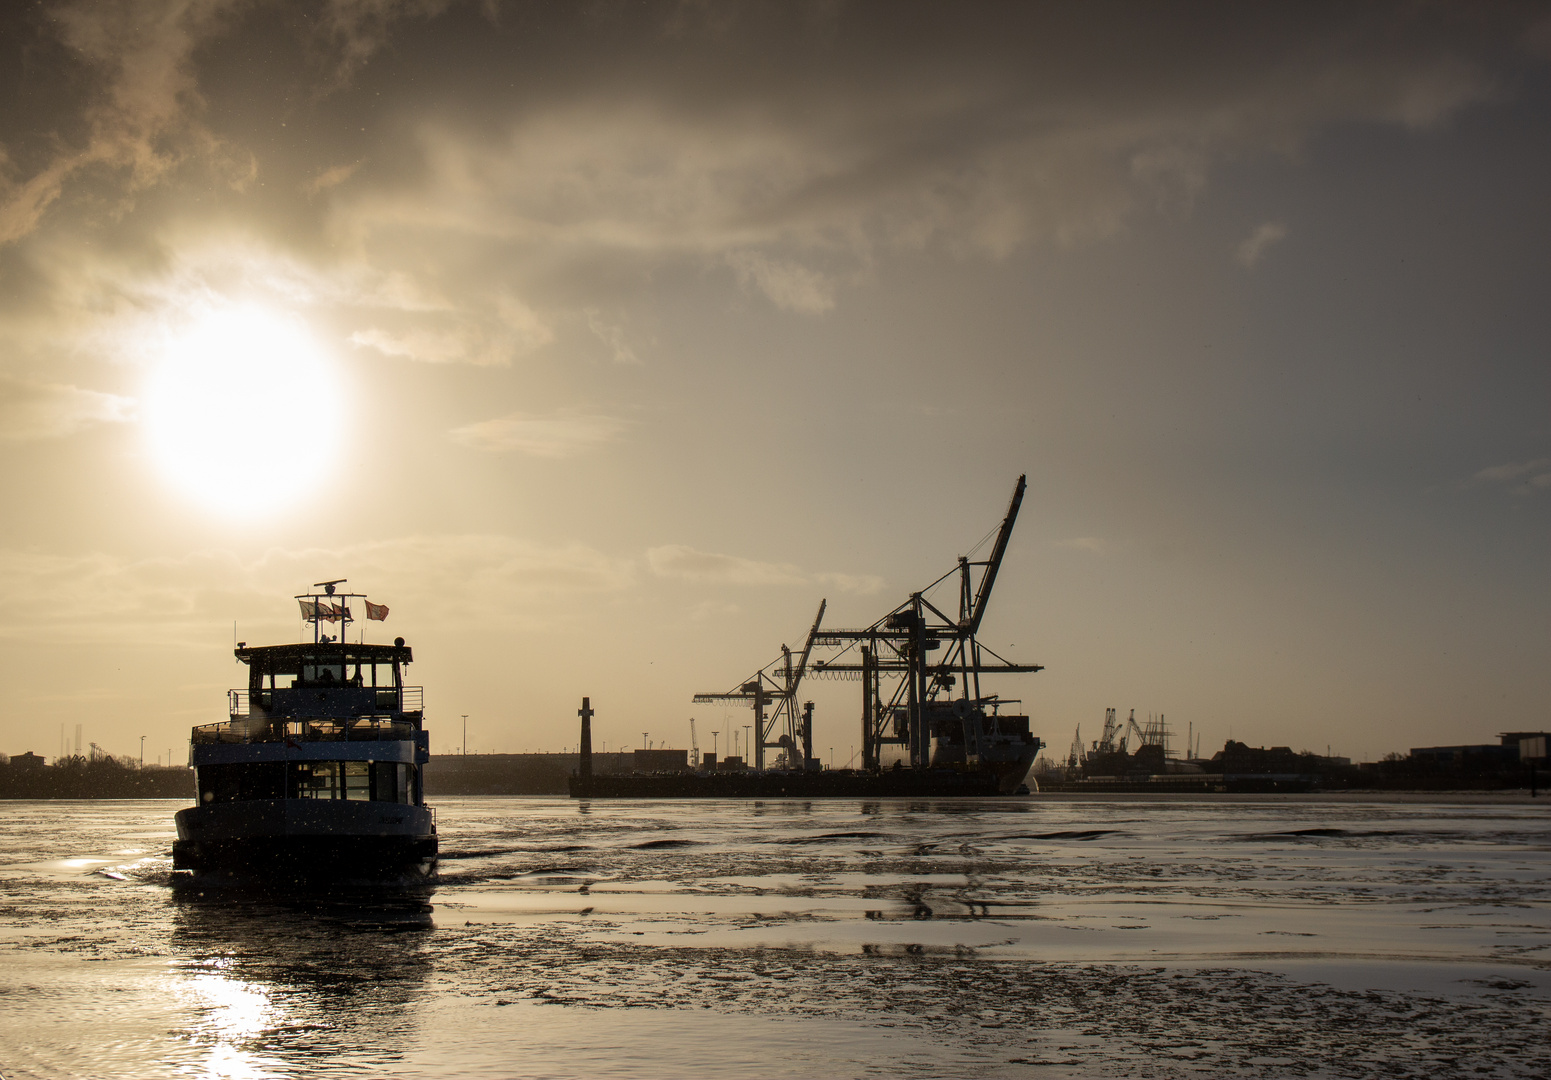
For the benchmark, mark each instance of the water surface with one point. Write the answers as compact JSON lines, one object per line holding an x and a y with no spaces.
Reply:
{"x":1019,"y":937}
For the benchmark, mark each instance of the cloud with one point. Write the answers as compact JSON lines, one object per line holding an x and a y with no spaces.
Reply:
{"x":474,"y":335}
{"x":680,"y":561}
{"x":142,"y":124}
{"x":46,"y":411}
{"x":980,"y":136}
{"x":428,"y":580}
{"x":1523,"y":477}
{"x":635,"y":140}
{"x":332,"y":176}
{"x":558,"y":435}
{"x":119,"y":307}
{"x":787,"y":284}
{"x":611,"y":335}
{"x":689,"y":564}
{"x":356,"y":29}
{"x":1255,"y":245}
{"x":862,"y":584}
{"x":984,"y":131}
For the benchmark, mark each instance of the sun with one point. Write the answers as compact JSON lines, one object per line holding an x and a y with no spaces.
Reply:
{"x":243,"y":412}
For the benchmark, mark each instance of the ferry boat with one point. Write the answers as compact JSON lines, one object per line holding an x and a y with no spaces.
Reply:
{"x":315,"y":778}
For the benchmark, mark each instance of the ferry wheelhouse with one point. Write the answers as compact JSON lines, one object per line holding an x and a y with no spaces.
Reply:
{"x":316,"y":774}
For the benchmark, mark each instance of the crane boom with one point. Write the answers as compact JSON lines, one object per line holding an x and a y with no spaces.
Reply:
{"x":995,"y":562}
{"x":807,"y":649}
{"x":1132,"y":725}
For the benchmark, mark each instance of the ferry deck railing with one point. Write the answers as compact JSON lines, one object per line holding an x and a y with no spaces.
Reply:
{"x":251,"y":729}
{"x":412,"y":699}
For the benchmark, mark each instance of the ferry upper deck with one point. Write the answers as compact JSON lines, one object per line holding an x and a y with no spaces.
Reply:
{"x":321,"y":691}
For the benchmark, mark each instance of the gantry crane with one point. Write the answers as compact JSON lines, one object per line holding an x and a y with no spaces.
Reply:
{"x":775,"y":684}
{"x":899,"y":643}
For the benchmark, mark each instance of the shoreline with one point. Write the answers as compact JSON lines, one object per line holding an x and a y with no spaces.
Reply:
{"x":1520,"y":796}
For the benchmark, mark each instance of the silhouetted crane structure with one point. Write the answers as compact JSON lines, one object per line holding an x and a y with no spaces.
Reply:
{"x":1113,"y":740}
{"x":900,"y":646}
{"x":1126,"y":748}
{"x":935,"y":659}
{"x":1076,"y":756}
{"x":776,"y":684}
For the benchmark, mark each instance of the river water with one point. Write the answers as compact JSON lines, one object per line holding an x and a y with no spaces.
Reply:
{"x":1046,"y":936}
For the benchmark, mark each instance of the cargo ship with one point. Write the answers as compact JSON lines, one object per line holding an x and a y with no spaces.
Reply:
{"x":315,"y":779}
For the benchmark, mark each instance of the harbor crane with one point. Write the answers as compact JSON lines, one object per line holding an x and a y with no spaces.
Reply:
{"x":1133,"y":727}
{"x":1112,"y":740}
{"x":694,"y":745}
{"x":776,"y":685}
{"x":900,"y":644}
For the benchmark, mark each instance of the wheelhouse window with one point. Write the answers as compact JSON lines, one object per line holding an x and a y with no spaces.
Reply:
{"x":357,"y":777}
{"x":241,"y":782}
{"x":323,"y":671}
{"x":393,"y":782}
{"x":311,"y":670}
{"x":356,"y":781}
{"x":315,"y":780}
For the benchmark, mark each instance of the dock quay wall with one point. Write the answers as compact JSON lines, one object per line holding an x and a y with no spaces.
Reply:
{"x":515,"y":774}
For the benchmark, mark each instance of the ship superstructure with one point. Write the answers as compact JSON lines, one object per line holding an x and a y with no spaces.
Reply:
{"x":316,"y":774}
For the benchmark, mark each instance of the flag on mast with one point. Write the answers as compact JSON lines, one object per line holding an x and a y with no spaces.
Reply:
{"x":323,"y":611}
{"x":378,"y":612}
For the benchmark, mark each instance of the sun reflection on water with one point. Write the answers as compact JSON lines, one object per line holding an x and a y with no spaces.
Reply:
{"x":232,"y":1012}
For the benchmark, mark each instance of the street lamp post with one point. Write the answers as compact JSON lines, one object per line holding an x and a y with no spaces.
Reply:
{"x":465,"y":733}
{"x":142,"y":751}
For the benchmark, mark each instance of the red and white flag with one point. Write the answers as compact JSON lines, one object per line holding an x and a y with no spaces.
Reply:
{"x":376,"y":611}
{"x":328,"y":612}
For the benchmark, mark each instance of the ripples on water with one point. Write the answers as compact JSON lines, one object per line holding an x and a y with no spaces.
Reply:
{"x":894,"y":938}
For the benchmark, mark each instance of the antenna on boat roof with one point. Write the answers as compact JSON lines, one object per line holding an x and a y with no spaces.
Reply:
{"x":328,"y":586}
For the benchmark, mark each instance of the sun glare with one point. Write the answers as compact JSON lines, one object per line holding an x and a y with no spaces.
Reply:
{"x":243,"y":411}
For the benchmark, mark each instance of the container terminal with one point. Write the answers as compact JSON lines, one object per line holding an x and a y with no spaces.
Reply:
{"x":928,"y":726}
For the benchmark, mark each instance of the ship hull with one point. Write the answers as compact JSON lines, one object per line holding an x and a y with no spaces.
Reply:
{"x":1008,"y":761}
{"x":286,"y":844}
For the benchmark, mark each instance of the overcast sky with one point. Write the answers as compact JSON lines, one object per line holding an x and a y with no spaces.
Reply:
{"x":602,"y":341}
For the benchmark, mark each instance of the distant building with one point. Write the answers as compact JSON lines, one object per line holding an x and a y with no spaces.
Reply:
{"x":1530,"y":744}
{"x":661,"y":760}
{"x":29,"y":760}
{"x":1483,"y":755}
{"x":1237,"y":758}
